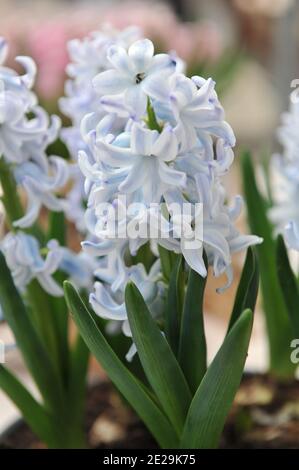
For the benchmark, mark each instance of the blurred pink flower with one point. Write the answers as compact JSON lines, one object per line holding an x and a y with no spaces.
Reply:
{"x":199,"y":41}
{"x":45,"y":34}
{"x":47,"y":44}
{"x":208,"y":42}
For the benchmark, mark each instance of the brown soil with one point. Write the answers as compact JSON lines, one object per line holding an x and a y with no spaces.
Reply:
{"x":265,"y":415}
{"x":109,"y":424}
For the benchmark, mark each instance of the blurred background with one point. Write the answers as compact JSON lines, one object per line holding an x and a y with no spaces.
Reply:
{"x":251,"y":49}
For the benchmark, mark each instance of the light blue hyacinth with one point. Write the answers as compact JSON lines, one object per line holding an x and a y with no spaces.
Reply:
{"x":285,"y":170}
{"x":25,"y":132}
{"x":88,"y":57}
{"x":23,"y":257}
{"x":163,"y":139}
{"x":27,"y":260}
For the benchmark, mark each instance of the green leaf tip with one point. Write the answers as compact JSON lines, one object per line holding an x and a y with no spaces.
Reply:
{"x":214,"y":396}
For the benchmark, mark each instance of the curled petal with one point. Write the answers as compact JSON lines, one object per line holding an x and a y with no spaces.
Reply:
{"x":50,"y":285}
{"x":194,"y":258}
{"x":29,"y":65}
{"x":166,"y":146}
{"x":104,"y":305}
{"x":98,"y":249}
{"x":142,"y":140}
{"x":242,"y":242}
{"x":113,"y":155}
{"x":170,"y":176}
{"x":32,"y":210}
{"x":135,"y":178}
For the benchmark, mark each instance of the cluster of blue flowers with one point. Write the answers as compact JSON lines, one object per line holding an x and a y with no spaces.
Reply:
{"x":161,"y":138}
{"x":88,"y":58}
{"x":25,"y":133}
{"x":141,"y":130}
{"x":285,"y":213}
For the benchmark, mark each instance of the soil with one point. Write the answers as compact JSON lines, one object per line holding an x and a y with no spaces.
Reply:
{"x":109,"y":424}
{"x":265,"y":415}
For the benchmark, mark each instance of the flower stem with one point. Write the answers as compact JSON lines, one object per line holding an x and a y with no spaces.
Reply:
{"x":10,"y":197}
{"x":152,"y":119}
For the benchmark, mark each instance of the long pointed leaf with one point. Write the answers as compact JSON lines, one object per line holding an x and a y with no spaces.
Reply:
{"x":45,"y":321}
{"x":193,"y":349}
{"x":277,"y":321}
{"x":288,"y":285}
{"x":33,"y":351}
{"x":38,"y":419}
{"x":159,"y":363}
{"x":247,"y":289}
{"x":127,"y":384}
{"x":77,"y":379}
{"x":173,"y":307}
{"x":216,"y":392}
{"x":57,"y":230}
{"x":167,"y":258}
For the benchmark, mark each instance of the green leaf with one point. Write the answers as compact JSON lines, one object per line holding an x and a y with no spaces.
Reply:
{"x":41,"y":423}
{"x":77,"y":383}
{"x":60,"y":320}
{"x":215,"y":394}
{"x":173,"y":307}
{"x":134,"y":392}
{"x":57,"y":228}
{"x":193,"y":349}
{"x":33,"y":351}
{"x":247,"y":289}
{"x":144,"y":256}
{"x":10,"y":198}
{"x":289,"y":286}
{"x":78,"y":372}
{"x":159,"y":363}
{"x":151,"y":118}
{"x":277,"y":321}
{"x":50,"y":318}
{"x":45,"y":321}
{"x":168,"y":259}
